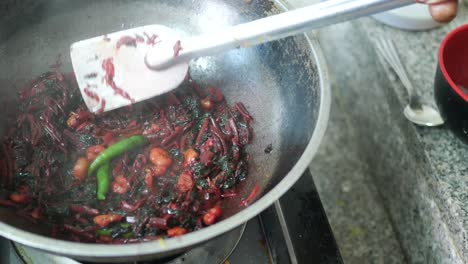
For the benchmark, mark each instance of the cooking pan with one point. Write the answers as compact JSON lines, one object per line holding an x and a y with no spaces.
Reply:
{"x":283,"y":84}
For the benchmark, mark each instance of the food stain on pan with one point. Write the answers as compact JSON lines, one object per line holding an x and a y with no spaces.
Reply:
{"x":268,"y":149}
{"x":162,"y":243}
{"x":58,"y":62}
{"x":177,"y":48}
{"x":91,"y":75}
{"x":21,"y":252}
{"x":262,"y":242}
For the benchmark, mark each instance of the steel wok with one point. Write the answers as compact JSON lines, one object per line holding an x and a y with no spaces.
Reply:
{"x":284,"y":85}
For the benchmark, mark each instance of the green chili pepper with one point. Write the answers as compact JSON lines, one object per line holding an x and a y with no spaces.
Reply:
{"x":124,"y":225}
{"x":116,"y":150}
{"x":103,"y":181}
{"x":104,"y":232}
{"x":128,"y":235}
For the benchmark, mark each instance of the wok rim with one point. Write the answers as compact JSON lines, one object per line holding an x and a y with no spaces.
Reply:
{"x":84,"y":250}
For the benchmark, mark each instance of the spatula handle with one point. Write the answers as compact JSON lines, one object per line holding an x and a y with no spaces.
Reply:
{"x":273,"y":28}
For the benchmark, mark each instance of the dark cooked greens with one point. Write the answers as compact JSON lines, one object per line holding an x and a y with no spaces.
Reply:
{"x":158,"y":168}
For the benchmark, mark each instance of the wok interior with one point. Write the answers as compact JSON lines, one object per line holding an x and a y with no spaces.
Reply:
{"x":278,"y":82}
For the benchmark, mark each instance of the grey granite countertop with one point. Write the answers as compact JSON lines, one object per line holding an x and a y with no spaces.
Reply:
{"x":421,"y":174}
{"x":447,"y":157}
{"x":426,"y":195}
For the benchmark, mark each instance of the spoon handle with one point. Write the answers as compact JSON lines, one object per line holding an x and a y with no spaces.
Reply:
{"x":271,"y":28}
{"x":386,"y":48}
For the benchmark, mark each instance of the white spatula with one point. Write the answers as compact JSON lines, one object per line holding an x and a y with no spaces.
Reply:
{"x":133,"y":65}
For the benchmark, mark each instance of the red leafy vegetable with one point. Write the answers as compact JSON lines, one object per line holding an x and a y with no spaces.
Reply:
{"x":194,"y":158}
{"x":177,"y":48}
{"x":126,"y":41}
{"x":251,"y":196}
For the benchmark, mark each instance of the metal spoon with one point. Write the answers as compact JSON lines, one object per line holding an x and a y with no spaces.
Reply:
{"x":416,"y":112}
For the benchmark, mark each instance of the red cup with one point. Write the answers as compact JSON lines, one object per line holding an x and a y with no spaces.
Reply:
{"x":451,"y":81}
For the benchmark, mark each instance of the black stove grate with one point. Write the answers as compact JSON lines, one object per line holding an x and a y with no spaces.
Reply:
{"x":297,"y":229}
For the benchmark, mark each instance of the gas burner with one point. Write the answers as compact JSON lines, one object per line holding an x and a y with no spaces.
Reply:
{"x":294,"y":230}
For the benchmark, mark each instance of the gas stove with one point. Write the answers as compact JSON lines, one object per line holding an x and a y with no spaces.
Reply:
{"x":294,"y":229}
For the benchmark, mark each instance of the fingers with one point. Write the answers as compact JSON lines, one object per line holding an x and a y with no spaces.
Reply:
{"x":441,"y":11}
{"x":431,"y":2}
{"x":444,"y":12}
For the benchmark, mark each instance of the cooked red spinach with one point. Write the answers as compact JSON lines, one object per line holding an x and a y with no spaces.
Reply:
{"x":155,"y":169}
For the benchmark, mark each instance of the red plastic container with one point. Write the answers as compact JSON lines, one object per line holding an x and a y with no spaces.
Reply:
{"x":451,"y":81}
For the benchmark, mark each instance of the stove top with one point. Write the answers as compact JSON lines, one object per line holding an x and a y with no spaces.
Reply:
{"x":294,"y":230}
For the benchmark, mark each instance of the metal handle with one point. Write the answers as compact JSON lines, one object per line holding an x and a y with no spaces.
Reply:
{"x":272,"y":28}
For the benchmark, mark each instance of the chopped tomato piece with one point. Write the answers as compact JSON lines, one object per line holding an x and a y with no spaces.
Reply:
{"x":185,"y":182}
{"x":105,"y":220}
{"x":161,"y":160}
{"x":207,"y":104}
{"x":209,"y":219}
{"x":190,"y":156}
{"x":176,"y":231}
{"x":19,"y":198}
{"x":216,"y":211}
{"x":93,"y":151}
{"x":212,"y":215}
{"x":159,"y":170}
{"x":81,"y":168}
{"x":120,"y":185}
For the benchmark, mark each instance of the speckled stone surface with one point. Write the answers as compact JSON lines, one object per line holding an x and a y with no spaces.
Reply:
{"x":354,"y":208}
{"x":442,"y":159}
{"x":420,"y":173}
{"x":353,"y":205}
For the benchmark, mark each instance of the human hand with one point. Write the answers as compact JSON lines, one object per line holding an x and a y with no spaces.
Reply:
{"x":442,"y":11}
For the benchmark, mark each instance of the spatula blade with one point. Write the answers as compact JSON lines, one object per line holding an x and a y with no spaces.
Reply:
{"x":123,"y":53}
